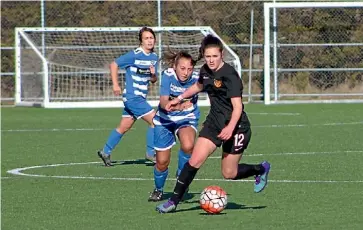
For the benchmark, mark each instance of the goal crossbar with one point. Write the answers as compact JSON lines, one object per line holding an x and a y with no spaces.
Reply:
{"x":58,"y":67}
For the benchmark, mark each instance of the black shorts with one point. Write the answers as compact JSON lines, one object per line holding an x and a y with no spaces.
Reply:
{"x":235,"y":145}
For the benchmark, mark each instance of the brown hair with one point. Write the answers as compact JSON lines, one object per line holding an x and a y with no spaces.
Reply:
{"x":172,"y":58}
{"x":209,"y":41}
{"x":146,"y":29}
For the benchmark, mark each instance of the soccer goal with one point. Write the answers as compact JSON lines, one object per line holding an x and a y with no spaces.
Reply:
{"x":313,"y":52}
{"x":69,"y":67}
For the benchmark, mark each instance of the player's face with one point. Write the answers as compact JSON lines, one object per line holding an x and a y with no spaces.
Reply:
{"x":213,"y":57}
{"x":148,"y":41}
{"x":183,"y":69}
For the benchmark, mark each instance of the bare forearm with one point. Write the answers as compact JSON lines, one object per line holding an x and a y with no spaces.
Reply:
{"x":236,"y":113}
{"x":114,"y":73}
{"x":192,"y":90}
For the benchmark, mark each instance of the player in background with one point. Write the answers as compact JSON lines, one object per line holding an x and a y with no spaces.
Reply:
{"x":181,"y":119}
{"x":226,"y":125}
{"x":141,"y":68}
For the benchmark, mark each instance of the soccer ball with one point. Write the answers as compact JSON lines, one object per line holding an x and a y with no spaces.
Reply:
{"x":213,"y":199}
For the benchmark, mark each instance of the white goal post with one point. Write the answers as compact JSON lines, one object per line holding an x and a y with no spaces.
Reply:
{"x":68,"y":67}
{"x":297,"y":65}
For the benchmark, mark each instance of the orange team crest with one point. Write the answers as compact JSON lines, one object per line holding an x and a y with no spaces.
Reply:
{"x":217,"y":83}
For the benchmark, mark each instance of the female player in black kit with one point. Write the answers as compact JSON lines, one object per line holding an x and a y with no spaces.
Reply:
{"x":226,"y":125}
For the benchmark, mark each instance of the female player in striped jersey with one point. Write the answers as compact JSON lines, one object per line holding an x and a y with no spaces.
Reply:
{"x":182,"y":120}
{"x":141,"y":68}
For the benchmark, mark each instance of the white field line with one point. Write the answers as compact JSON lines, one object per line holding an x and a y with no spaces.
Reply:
{"x":253,"y":126}
{"x":20,"y":172}
{"x":301,"y":153}
{"x":277,"y":114}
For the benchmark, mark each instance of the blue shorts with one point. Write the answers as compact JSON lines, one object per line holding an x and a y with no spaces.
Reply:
{"x":164,"y":135}
{"x":136,"y":108}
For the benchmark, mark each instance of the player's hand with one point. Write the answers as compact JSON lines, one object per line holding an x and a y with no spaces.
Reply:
{"x":152,"y":70}
{"x":226,"y":133}
{"x":176,"y":107}
{"x":186,"y":105}
{"x":171,"y":103}
{"x":153,"y":78}
{"x":116,"y":90}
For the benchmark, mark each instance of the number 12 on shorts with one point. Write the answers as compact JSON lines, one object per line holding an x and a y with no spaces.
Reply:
{"x":238,"y":141}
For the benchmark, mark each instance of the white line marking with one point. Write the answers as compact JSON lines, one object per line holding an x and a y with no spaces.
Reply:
{"x":307,"y":125}
{"x":301,"y":153}
{"x":253,"y":126}
{"x":278,"y":114}
{"x":54,"y":130}
{"x":19,"y":172}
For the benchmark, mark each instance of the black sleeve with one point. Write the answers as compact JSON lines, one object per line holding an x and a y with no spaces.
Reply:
{"x":234,"y":84}
{"x":202,"y":73}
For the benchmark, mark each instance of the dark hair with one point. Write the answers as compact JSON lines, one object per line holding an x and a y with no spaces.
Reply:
{"x":146,"y":29}
{"x":207,"y":42}
{"x":172,"y":58}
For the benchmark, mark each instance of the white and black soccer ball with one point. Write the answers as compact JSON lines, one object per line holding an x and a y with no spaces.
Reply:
{"x":213,"y":199}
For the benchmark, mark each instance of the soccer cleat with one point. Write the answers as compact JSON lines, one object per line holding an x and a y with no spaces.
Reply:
{"x":166,"y":207}
{"x":155,"y":196}
{"x":105,"y":158}
{"x":150,"y":158}
{"x":261,"y":180}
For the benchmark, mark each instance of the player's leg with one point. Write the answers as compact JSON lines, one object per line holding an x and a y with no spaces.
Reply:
{"x":150,"y":152}
{"x":115,"y":136}
{"x":141,"y":109}
{"x":186,"y":135}
{"x":206,"y":143}
{"x":232,"y":153}
{"x":163,"y":142}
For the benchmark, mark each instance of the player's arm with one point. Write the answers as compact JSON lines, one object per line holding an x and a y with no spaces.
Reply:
{"x":121,"y":62}
{"x":234,"y":91}
{"x":165,"y":93}
{"x":114,"y":78}
{"x":191,"y":91}
{"x":237,"y":111}
{"x":153,"y":77}
{"x":153,"y":71}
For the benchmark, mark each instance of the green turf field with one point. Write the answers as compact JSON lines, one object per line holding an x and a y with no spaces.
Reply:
{"x":316,"y":181}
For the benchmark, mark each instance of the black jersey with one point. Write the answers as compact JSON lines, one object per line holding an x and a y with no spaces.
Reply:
{"x":221,"y":86}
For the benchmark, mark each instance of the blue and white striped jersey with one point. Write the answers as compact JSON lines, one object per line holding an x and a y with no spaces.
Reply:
{"x":137,"y":64}
{"x":172,"y":87}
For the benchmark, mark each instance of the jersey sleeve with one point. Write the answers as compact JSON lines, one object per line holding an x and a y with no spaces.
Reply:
{"x":125,"y":60}
{"x":202,"y":74}
{"x":234,"y":85}
{"x":165,"y":85}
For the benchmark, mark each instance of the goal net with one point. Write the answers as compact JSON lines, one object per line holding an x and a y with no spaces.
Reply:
{"x":313,"y":52}
{"x":69,"y":67}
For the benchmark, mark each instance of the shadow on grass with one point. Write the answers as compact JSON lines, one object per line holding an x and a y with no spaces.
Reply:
{"x":132,"y":162}
{"x":230,"y":205}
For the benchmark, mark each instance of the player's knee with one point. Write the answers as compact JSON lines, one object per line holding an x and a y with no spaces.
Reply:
{"x":162,"y":164}
{"x":122,"y":130}
{"x":229,"y":173}
{"x":187,"y":147}
{"x":195,"y":163}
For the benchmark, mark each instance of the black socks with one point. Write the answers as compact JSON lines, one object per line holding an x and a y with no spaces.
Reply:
{"x":184,"y":180}
{"x":246,"y":170}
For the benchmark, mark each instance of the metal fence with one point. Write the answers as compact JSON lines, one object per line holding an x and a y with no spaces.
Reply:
{"x":239,"y":23}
